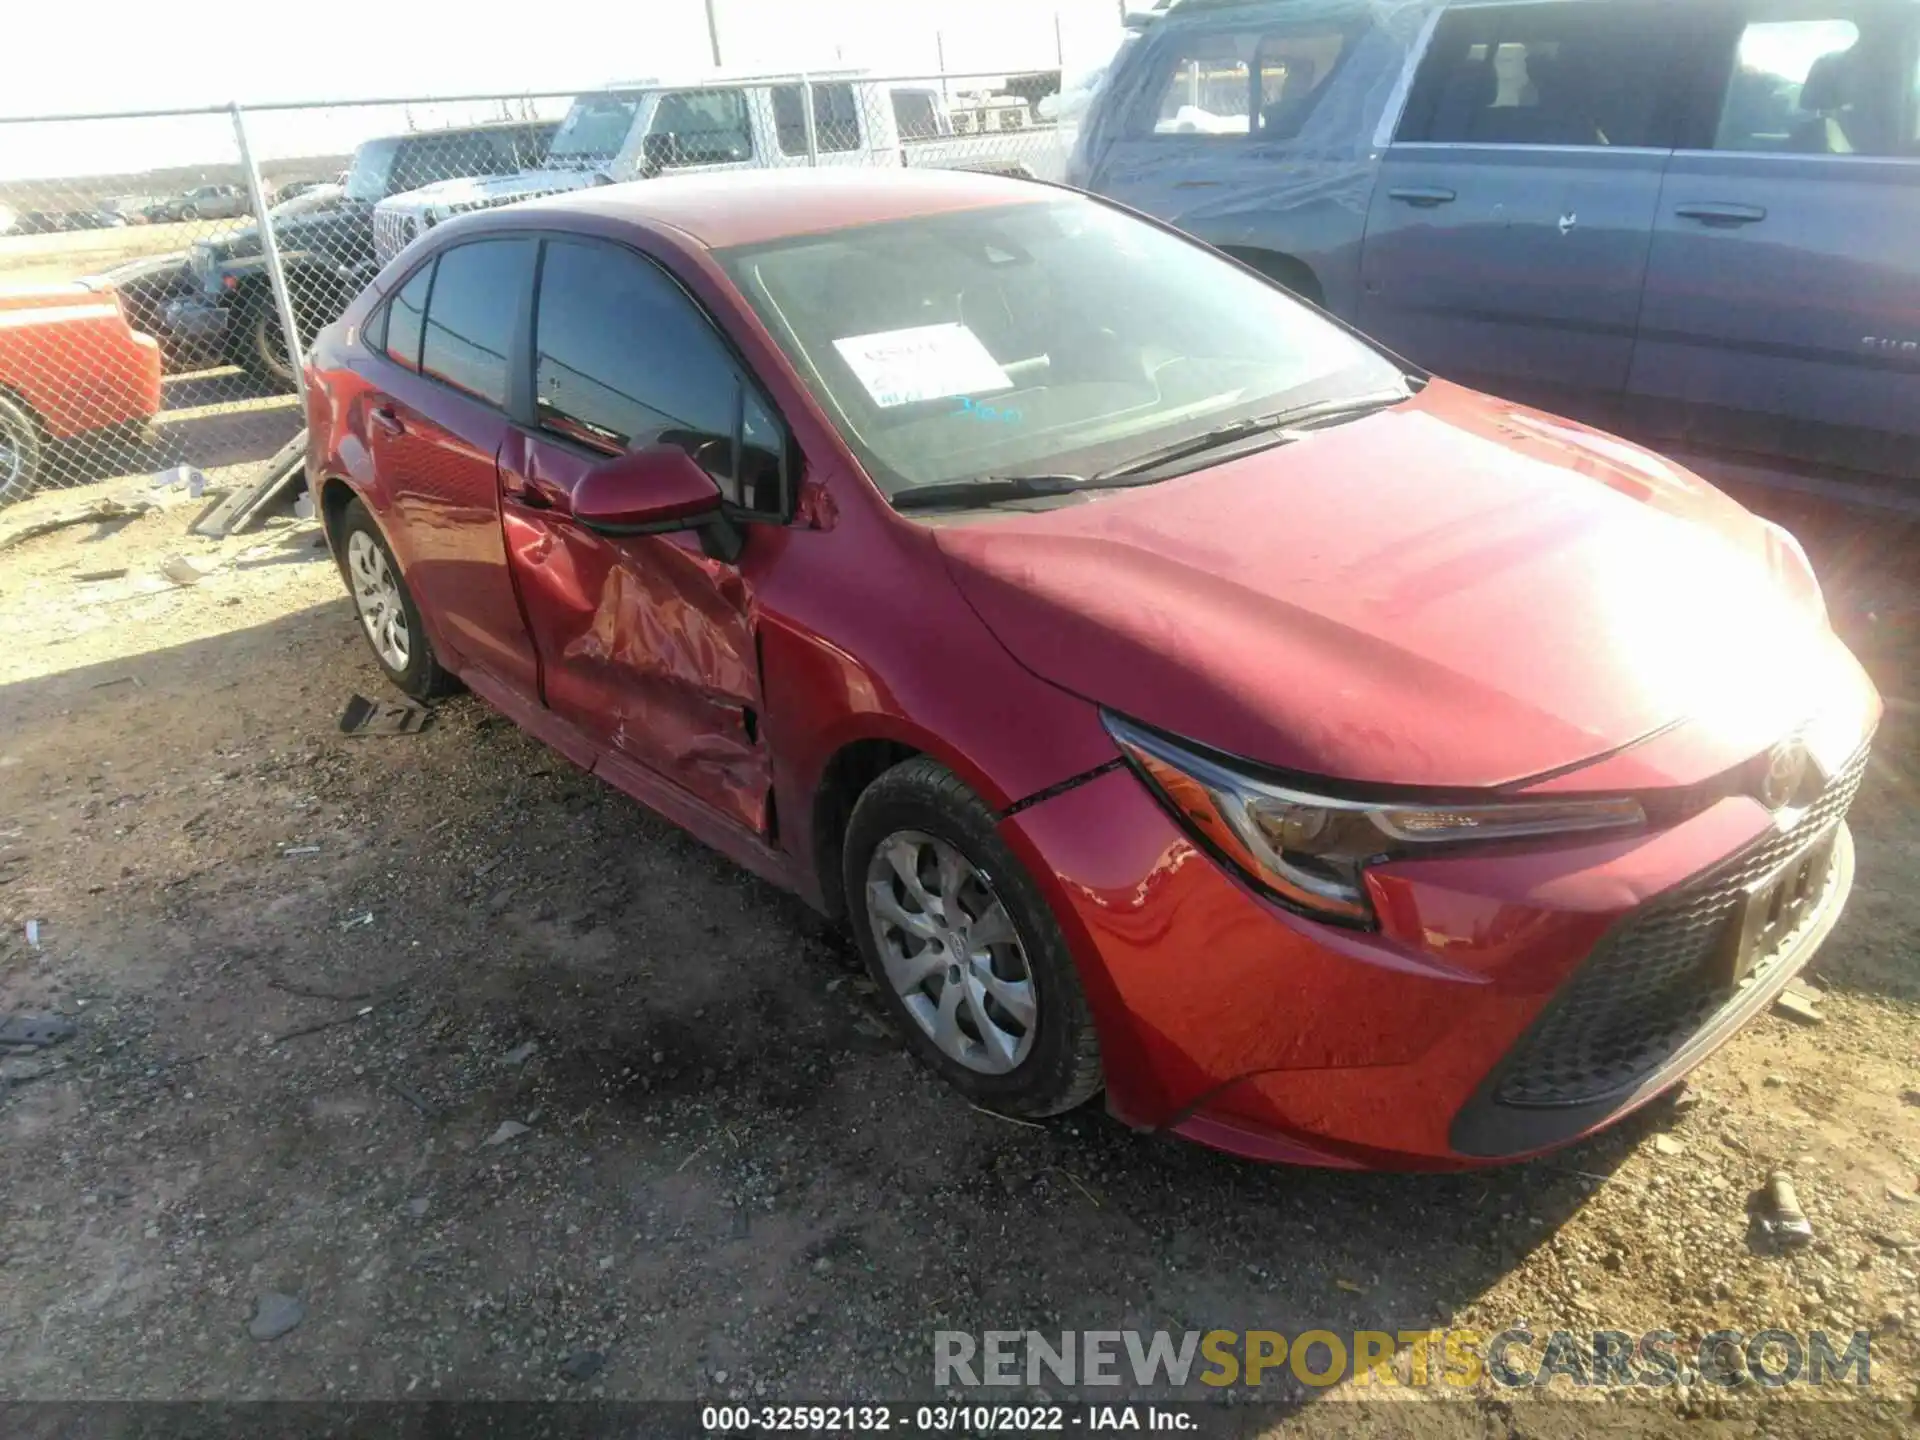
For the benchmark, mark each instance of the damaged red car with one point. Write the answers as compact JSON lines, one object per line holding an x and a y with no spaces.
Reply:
{"x":1178,"y":696}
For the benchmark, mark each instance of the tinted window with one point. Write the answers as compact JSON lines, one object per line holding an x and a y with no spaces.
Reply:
{"x":470,"y":319}
{"x":1816,"y":86}
{"x":709,"y":126}
{"x":1567,"y":74}
{"x":915,"y":115}
{"x":836,"y":119}
{"x":623,"y":360}
{"x":1243,"y":82}
{"x":406,"y":317}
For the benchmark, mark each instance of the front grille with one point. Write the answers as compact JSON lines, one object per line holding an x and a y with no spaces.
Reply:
{"x":1650,"y":985}
{"x":391,"y":232}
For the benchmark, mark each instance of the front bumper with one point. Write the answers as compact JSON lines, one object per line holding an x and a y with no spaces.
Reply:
{"x":1232,"y":1022}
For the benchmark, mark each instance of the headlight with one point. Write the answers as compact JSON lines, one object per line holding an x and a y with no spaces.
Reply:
{"x":1310,"y":851}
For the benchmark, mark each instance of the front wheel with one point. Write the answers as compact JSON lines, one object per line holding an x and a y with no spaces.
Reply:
{"x":388,"y":616}
{"x":968,"y":958}
{"x":20,"y":449}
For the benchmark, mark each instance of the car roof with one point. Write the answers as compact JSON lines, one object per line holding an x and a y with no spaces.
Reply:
{"x":729,"y":208}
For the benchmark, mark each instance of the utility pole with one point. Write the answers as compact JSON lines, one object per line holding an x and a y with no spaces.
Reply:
{"x":713,"y":32}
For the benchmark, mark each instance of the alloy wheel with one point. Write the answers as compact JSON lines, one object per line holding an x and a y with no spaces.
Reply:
{"x":377,"y":595}
{"x":951,"y":952}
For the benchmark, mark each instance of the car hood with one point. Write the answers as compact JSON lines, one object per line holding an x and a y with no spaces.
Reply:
{"x":1456,"y":592}
{"x":488,"y":190}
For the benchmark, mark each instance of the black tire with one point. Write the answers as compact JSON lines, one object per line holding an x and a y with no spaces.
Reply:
{"x":422,"y":677}
{"x":21,"y":450}
{"x":1062,"y":1068}
{"x":260,"y":347}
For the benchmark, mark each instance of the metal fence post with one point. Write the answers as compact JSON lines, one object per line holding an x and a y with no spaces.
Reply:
{"x":270,"y":249}
{"x":811,"y":121}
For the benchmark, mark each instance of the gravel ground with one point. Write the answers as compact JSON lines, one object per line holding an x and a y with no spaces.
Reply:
{"x":494,"y":1086}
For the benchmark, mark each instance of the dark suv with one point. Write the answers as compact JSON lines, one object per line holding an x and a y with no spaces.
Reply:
{"x":326,"y":243}
{"x":1692,"y":222}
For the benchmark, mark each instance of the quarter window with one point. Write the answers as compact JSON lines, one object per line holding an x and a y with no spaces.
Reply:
{"x":470,"y":318}
{"x":1244,"y":83}
{"x":1814,"y":86}
{"x":624,"y":360}
{"x":406,"y":318}
{"x":1574,"y":74}
{"x":836,"y":119}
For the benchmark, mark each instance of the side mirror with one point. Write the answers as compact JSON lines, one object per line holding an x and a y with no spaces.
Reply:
{"x":659,"y":151}
{"x":646,"y":492}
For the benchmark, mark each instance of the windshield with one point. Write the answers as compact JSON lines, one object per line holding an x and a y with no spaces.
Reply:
{"x":1056,"y":337}
{"x":595,"y":128}
{"x":372,"y":163}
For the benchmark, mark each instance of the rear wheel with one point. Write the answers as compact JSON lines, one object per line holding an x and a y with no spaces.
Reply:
{"x":969,"y":961}
{"x":388,"y":616}
{"x":20,"y":450}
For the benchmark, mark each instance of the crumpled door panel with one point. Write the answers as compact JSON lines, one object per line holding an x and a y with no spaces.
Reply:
{"x":648,"y":645}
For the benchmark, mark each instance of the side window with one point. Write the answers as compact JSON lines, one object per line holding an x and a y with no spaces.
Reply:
{"x":406,"y":318}
{"x":1243,"y":83}
{"x":374,"y":333}
{"x":836,"y":119}
{"x":623,"y":360}
{"x":1582,"y":74}
{"x":709,"y":127}
{"x":915,"y":115}
{"x":1816,"y":86}
{"x":471,"y":315}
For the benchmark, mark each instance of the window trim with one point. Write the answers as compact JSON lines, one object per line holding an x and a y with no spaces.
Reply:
{"x":523,"y":391}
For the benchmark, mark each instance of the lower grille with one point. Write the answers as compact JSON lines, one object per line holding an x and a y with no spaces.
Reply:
{"x":1652,"y":983}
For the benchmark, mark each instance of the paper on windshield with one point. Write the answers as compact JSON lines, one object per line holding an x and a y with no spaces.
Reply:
{"x":927,"y":362}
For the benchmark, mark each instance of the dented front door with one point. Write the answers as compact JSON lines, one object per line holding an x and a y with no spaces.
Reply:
{"x":645,"y":643}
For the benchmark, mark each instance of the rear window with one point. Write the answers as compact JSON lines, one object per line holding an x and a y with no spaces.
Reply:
{"x":1241,"y":82}
{"x":1579,"y":74}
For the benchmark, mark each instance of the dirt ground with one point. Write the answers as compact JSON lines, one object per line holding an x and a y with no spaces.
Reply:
{"x":314,"y":975}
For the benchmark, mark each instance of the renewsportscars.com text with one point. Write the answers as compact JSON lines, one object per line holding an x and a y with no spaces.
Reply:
{"x":1460,"y":1359}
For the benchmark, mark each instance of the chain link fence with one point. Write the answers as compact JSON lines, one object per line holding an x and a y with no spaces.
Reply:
{"x":161,"y":273}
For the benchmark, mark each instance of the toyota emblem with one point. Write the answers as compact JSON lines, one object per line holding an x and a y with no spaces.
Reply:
{"x":1786,"y":771}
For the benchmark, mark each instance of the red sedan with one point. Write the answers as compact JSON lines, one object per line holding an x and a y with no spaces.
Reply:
{"x":1177,"y":695}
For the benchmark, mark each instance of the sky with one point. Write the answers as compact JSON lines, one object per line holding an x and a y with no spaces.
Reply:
{"x":140,"y":55}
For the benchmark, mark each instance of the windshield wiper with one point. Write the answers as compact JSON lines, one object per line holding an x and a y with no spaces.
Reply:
{"x":985,"y":490}
{"x":1279,"y":424}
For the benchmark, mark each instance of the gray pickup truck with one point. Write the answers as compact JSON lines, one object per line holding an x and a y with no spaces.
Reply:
{"x":1697,"y":223}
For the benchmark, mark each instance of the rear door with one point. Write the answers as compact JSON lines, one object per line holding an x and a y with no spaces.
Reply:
{"x":1782,"y":311}
{"x":1508,"y":229}
{"x":435,"y":435}
{"x":646,"y":642}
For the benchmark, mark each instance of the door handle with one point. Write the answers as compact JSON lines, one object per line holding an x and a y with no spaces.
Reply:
{"x":385,"y":417}
{"x":531,"y":495}
{"x":1724,"y":217}
{"x":1423,"y":197}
